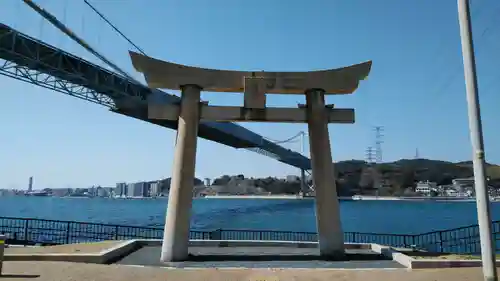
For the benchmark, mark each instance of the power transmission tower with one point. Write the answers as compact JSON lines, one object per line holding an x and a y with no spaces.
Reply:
{"x":369,"y":171}
{"x":370,"y":155}
{"x":378,"y":143}
{"x":377,"y":181}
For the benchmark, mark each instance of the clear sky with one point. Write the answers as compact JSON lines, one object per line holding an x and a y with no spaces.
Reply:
{"x":415,"y":90}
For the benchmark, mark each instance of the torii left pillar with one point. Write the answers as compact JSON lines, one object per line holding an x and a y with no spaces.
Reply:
{"x":177,"y":223}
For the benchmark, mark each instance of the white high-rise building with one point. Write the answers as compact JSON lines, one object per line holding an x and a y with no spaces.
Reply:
{"x":154,"y":189}
{"x":138,"y":189}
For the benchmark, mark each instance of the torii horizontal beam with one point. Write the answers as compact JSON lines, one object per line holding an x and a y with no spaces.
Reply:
{"x":241,"y":114}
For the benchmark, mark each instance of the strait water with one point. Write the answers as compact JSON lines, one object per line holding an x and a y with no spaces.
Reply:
{"x":404,"y":217}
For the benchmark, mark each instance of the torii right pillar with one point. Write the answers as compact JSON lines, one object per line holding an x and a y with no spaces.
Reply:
{"x":330,"y":234}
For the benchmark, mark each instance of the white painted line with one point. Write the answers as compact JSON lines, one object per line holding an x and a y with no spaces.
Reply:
{"x":133,"y":265}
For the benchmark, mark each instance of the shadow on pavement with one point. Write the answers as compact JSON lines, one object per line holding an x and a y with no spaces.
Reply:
{"x":19,"y":276}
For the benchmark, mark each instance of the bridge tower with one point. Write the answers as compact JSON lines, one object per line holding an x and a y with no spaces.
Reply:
{"x":255,"y":85}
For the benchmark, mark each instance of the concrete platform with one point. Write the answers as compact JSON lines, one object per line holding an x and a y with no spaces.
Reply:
{"x":260,"y":257}
{"x":225,"y":254}
{"x":63,"y":271}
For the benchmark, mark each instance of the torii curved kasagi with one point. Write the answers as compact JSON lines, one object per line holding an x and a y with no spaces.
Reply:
{"x":167,"y":75}
{"x":255,"y":85}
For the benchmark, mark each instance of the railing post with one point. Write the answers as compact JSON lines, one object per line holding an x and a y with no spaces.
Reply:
{"x":26,"y":227}
{"x":440,"y":241}
{"x":2,"y":249}
{"x":68,"y":225}
{"x":215,"y":235}
{"x":116,"y":232}
{"x":260,"y":235}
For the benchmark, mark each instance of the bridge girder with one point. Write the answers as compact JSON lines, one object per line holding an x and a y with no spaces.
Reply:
{"x":30,"y":60}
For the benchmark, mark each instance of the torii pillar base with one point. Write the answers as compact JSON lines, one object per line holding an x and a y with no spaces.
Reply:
{"x":176,"y":235}
{"x":331,"y":236}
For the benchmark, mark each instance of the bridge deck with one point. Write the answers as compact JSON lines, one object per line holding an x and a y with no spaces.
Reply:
{"x":28,"y":59}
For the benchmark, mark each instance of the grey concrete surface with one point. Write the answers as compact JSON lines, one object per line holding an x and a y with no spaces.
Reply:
{"x":259,"y":257}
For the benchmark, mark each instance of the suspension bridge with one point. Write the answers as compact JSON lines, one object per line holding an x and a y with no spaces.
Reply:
{"x":36,"y":62}
{"x":33,"y":61}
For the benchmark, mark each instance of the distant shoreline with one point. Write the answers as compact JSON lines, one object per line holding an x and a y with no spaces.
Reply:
{"x":298,"y":197}
{"x":276,"y":196}
{"x":348,"y":198}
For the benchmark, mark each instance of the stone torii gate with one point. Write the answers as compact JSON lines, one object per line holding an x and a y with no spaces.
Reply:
{"x":255,"y":85}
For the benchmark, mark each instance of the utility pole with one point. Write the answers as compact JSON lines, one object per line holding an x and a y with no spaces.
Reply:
{"x":482,"y":199}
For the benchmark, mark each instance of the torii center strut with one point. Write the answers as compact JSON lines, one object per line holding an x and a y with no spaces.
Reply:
{"x":255,"y":85}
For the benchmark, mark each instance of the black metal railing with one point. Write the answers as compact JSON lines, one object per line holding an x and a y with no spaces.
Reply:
{"x":49,"y":232}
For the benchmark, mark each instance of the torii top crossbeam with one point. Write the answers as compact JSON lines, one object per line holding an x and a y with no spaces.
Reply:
{"x":162,"y":74}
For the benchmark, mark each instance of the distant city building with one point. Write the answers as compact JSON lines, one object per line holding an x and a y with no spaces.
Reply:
{"x":109,"y":190}
{"x":464,"y":182}
{"x":207,"y":182}
{"x":154,"y":189}
{"x":30,"y":184}
{"x":61,"y":192}
{"x":102,"y":192}
{"x":121,"y":189}
{"x":452,"y":192}
{"x":292,"y":178}
{"x":138,"y":189}
{"x":465,"y":185}
{"x":129,"y":192}
{"x":146,"y":191}
{"x":426,"y":187}
{"x":92,"y":191}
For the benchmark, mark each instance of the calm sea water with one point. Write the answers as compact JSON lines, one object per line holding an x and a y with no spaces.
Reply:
{"x":291,"y":215}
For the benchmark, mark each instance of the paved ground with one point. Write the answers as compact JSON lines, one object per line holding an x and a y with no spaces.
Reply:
{"x":60,"y":271}
{"x":260,"y":257}
{"x":66,"y":249}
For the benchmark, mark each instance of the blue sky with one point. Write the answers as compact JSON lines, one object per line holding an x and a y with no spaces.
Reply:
{"x":415,"y":90}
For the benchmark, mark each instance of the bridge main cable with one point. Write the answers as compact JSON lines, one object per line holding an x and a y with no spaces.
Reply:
{"x":59,"y":25}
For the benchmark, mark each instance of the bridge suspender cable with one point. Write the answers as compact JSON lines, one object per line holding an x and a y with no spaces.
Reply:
{"x":101,"y":15}
{"x":59,"y":25}
{"x":114,"y":27}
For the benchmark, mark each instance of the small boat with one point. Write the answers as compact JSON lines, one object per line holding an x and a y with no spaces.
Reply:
{"x":37,"y":193}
